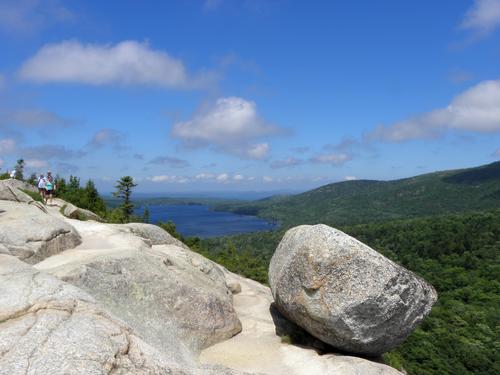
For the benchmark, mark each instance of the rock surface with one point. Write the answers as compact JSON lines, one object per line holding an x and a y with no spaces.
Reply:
{"x":11,"y":190}
{"x":156,"y":290}
{"x":345,"y":293}
{"x":154,"y":233}
{"x":258,"y":347}
{"x":73,"y":212}
{"x":33,"y":235}
{"x":50,"y":327}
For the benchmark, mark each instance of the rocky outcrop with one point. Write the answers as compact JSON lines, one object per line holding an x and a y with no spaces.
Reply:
{"x":345,"y":293}
{"x":50,"y":327}
{"x":11,"y":190}
{"x":260,"y":348}
{"x":73,"y":212}
{"x":159,"y":291}
{"x":154,"y":233}
{"x":32,"y":234}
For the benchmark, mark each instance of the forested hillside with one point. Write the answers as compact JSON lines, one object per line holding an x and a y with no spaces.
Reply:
{"x":363,"y":201}
{"x":458,"y":254}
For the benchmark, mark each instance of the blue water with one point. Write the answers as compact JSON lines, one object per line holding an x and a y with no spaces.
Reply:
{"x":199,"y":220}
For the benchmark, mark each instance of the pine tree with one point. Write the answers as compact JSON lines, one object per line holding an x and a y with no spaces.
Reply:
{"x":124,"y":191}
{"x":20,"y":169}
{"x":93,"y":200}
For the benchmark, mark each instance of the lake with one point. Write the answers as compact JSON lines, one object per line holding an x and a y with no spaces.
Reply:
{"x":199,"y":220}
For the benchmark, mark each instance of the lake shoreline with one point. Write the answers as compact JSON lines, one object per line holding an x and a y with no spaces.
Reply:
{"x":201,"y":220}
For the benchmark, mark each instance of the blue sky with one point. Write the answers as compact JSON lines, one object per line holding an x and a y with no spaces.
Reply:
{"x":223,"y":95}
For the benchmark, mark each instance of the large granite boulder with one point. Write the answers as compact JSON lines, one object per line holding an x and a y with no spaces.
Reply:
{"x":345,"y":293}
{"x":159,"y":291}
{"x":50,"y":327}
{"x":32,"y":234}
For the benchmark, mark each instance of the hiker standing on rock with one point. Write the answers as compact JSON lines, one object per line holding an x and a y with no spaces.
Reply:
{"x":49,"y":188}
{"x":41,"y":186}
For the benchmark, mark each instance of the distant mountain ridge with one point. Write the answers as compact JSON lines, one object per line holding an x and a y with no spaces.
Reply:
{"x":362,"y":201}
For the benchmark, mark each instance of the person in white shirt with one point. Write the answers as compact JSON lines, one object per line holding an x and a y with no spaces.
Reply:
{"x":41,"y":186}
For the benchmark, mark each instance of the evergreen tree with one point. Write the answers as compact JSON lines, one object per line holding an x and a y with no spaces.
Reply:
{"x":19,"y":169}
{"x":62,"y":188}
{"x":124,"y":191}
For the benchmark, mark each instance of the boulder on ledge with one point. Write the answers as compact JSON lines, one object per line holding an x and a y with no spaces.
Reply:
{"x":345,"y":293}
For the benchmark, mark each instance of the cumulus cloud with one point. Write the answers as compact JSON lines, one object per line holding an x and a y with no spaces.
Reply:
{"x":238,"y":177}
{"x":483,"y":17}
{"x":285,"y":163}
{"x":336,"y":159}
{"x":223,"y":177}
{"x":350,"y":178}
{"x":475,"y":110}
{"x":126,"y":63}
{"x":170,"y":161}
{"x":168,"y":179}
{"x":204,"y":176}
{"x":7,"y":145}
{"x":231,"y":125}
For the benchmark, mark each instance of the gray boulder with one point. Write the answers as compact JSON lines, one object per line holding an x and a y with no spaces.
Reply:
{"x":11,"y":190}
{"x":50,"y":327}
{"x":345,"y":293}
{"x":31,"y":234}
{"x":159,"y":292}
{"x":73,"y":212}
{"x":154,"y":233}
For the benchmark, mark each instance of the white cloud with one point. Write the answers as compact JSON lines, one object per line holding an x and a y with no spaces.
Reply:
{"x":231,"y":125}
{"x":288,"y":162}
{"x":167,"y":178}
{"x":483,"y":17}
{"x":238,"y":177}
{"x":496,"y":154}
{"x":350,"y":178}
{"x":333,"y":158}
{"x":476,"y":110}
{"x":267,"y":179}
{"x":126,"y":63}
{"x":36,"y":163}
{"x":223,"y":177}
{"x":7,"y":145}
{"x":204,"y":176}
